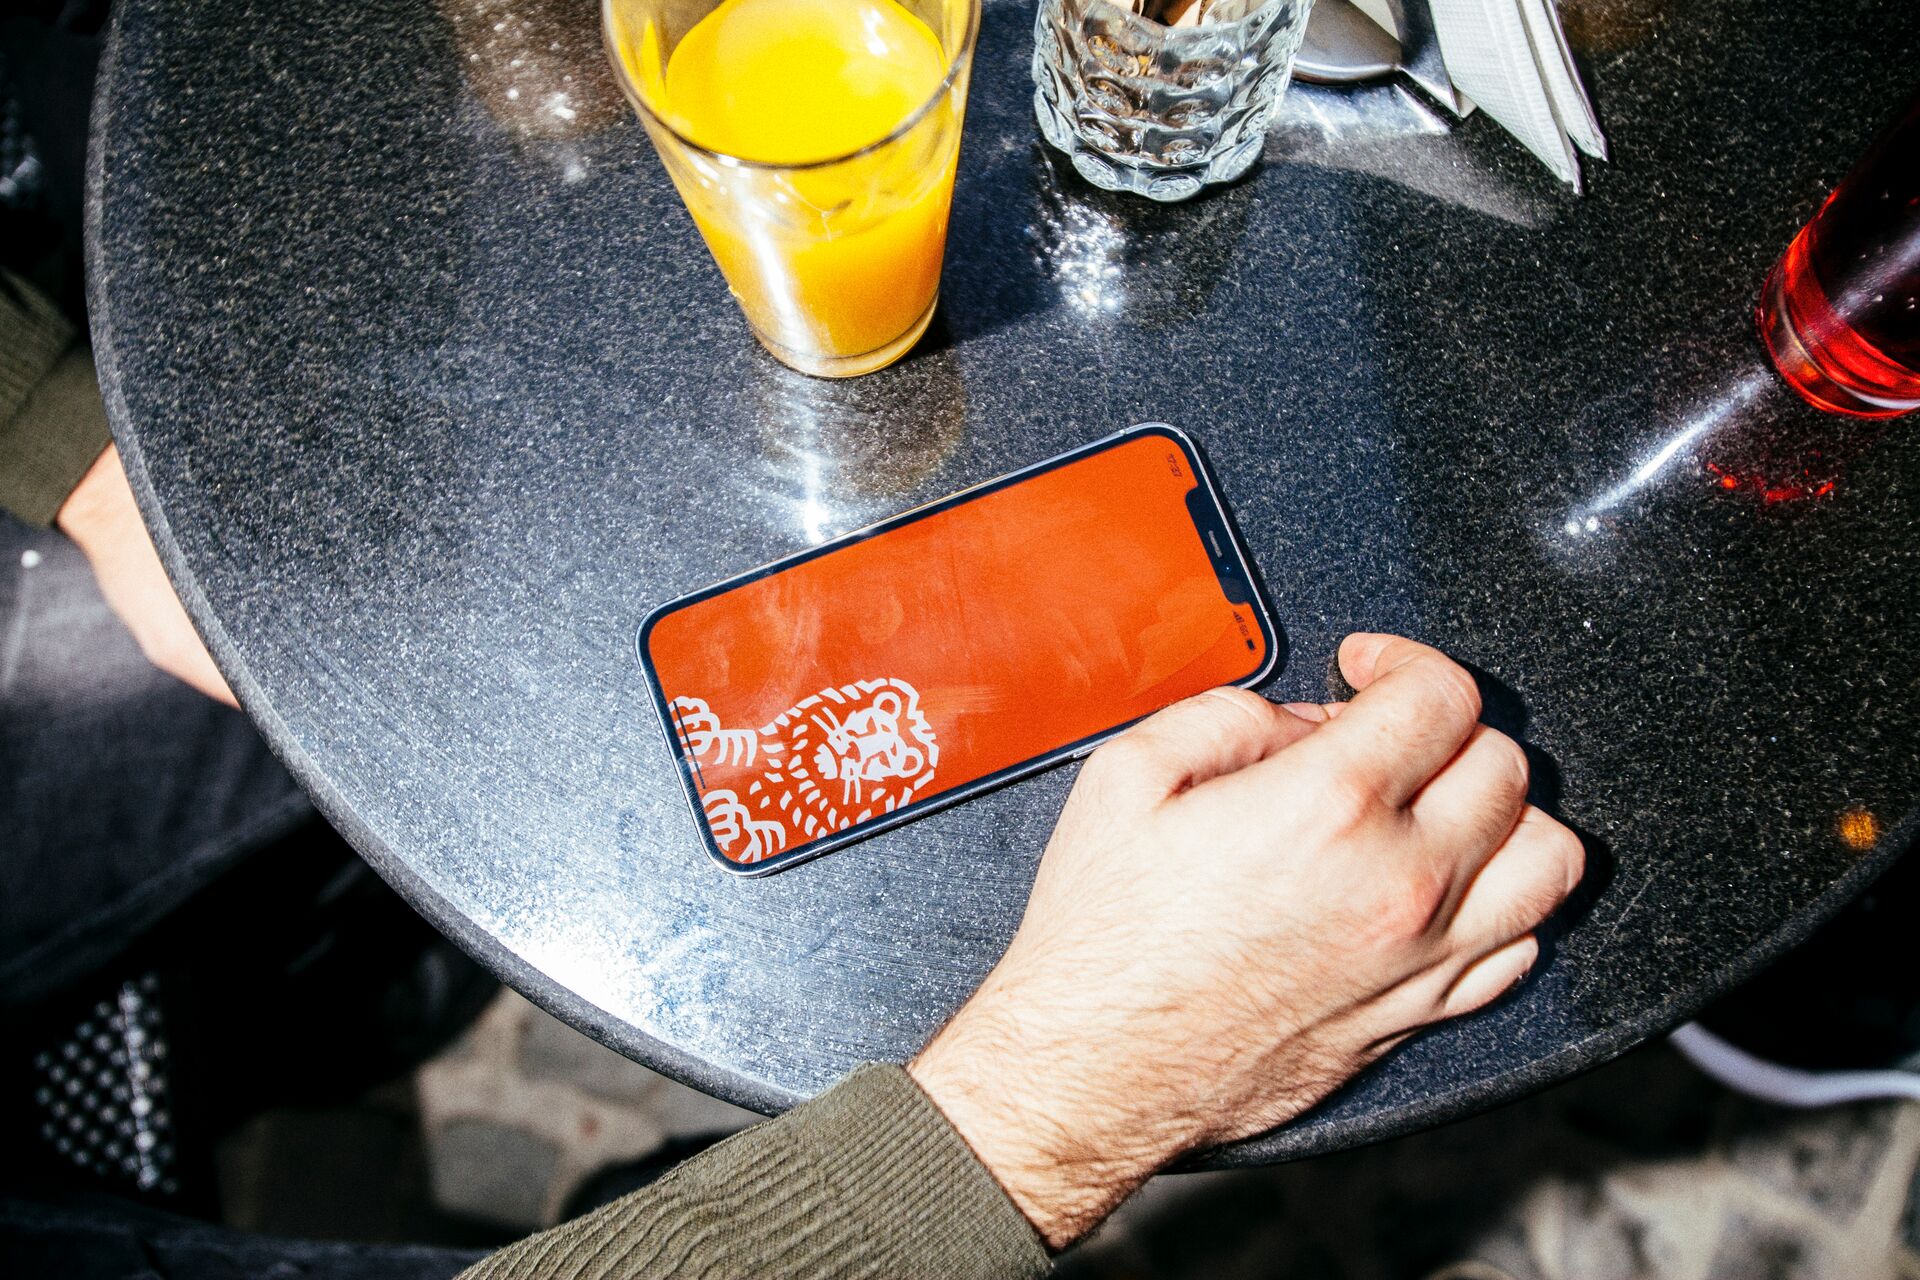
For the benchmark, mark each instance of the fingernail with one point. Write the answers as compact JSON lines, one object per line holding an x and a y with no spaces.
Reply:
{"x":1305,"y":710}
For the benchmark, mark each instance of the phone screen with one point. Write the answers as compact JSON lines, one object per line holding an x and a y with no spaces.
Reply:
{"x":853,"y":686}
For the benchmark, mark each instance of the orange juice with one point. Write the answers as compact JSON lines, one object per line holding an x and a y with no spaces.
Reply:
{"x":820,"y":168}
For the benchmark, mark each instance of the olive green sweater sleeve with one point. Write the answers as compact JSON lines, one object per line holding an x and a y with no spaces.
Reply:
{"x":52,"y":423}
{"x":868,"y":1179}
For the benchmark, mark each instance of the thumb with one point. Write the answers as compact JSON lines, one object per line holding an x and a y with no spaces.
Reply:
{"x":1210,"y":734}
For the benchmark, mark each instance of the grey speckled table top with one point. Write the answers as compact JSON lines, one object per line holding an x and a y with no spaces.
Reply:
{"x":430,"y":392}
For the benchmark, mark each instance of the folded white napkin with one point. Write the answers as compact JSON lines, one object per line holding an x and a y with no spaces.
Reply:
{"x":1570,"y":104}
{"x":1511,"y":57}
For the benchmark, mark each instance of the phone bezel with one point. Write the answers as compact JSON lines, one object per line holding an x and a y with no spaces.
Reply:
{"x":1256,"y":602}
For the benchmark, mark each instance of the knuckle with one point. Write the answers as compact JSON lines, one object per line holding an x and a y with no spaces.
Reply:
{"x":1453,"y":683}
{"x":1236,"y":701}
{"x":1129,"y":754}
{"x":1346,"y":801}
{"x":1562,"y":839}
{"x":1517,"y":771}
{"x":1531,"y":909}
{"x":1228,"y":713}
{"x":1410,"y":912}
{"x":1571,"y":851}
{"x":1559,"y":871}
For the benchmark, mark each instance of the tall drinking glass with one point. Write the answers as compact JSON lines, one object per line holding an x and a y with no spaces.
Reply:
{"x":814,"y":143}
{"x":1840,"y":312}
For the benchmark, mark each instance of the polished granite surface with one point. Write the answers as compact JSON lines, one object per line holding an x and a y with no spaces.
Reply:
{"x":430,"y":392}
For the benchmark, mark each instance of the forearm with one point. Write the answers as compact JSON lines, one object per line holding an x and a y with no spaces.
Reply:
{"x":866,"y":1180}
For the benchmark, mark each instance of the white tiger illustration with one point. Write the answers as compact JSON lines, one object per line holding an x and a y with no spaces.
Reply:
{"x":833,"y":759}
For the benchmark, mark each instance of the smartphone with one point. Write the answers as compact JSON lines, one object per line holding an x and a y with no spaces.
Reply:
{"x":862,"y":683}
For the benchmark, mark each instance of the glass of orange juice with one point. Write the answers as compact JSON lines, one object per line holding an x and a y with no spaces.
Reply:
{"x":814,"y":143}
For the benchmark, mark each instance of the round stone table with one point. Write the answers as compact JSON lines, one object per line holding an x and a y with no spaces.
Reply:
{"x":429,"y":392}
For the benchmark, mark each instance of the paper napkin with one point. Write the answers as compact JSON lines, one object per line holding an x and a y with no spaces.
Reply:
{"x":1511,"y":57}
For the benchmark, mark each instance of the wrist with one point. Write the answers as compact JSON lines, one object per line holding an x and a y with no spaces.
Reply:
{"x":1041,"y":1112}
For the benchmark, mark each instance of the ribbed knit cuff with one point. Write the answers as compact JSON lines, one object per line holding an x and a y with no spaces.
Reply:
{"x":867,"y":1180}
{"x":52,"y":422}
{"x":884,"y":1148}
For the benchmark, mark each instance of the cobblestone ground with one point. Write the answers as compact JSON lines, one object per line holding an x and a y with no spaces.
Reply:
{"x":524,"y":1108}
{"x":1643,"y":1170}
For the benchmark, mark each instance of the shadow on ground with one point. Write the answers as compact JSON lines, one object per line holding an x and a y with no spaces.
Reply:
{"x":1642,"y":1170}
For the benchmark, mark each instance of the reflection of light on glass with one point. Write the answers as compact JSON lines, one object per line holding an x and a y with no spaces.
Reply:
{"x":1361,"y":114}
{"x":1776,"y":490}
{"x":1718,"y":410}
{"x":813,"y":520}
{"x":534,"y":65}
{"x":841,"y":452}
{"x":810,"y":475}
{"x":1085,"y":256}
{"x":1387,"y":132}
{"x":877,"y":43}
{"x":770,"y":267}
{"x":1858,"y":828}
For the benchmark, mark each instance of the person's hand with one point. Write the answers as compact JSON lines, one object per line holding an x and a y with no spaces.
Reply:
{"x":100,"y":516}
{"x":1242,"y":906}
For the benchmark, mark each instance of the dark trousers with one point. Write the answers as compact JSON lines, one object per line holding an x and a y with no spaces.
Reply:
{"x":123,"y":794}
{"x":122,"y":791}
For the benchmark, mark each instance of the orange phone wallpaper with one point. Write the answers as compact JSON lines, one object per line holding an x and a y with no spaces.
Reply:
{"x":926,"y":657}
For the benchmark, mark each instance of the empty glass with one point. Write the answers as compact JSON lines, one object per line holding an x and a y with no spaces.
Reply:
{"x":1159,"y":110}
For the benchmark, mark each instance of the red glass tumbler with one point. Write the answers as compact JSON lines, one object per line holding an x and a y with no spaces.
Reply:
{"x":1840,"y":312}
